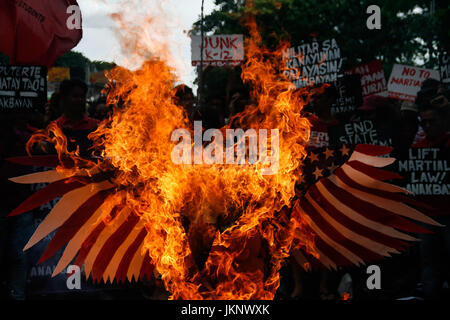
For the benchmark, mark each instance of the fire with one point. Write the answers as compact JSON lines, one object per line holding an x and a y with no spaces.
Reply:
{"x":213,"y":231}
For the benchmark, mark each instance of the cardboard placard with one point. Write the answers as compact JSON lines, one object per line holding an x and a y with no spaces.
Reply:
{"x":349,"y":95}
{"x":313,"y":63}
{"x":405,"y":81}
{"x":426,"y":171}
{"x":372,"y":78}
{"x":218,"y":50}
{"x":22,"y":87}
{"x":58,"y":74}
{"x":360,"y":132}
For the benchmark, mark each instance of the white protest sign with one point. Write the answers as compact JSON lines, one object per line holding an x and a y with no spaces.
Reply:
{"x":313,"y":63}
{"x":405,"y":81}
{"x":218,"y":50}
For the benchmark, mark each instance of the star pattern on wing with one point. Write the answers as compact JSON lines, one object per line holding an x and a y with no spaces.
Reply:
{"x":354,"y":215}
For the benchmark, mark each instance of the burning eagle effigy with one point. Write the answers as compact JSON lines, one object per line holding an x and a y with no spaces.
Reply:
{"x":212,"y":231}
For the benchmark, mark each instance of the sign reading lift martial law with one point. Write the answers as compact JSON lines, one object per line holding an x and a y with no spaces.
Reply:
{"x":313,"y":63}
{"x":22,"y":87}
{"x":218,"y":50}
{"x":405,"y":81}
{"x":372,"y":77}
{"x":426,"y":171}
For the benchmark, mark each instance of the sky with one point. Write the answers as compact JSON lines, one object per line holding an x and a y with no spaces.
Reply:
{"x":100,"y":43}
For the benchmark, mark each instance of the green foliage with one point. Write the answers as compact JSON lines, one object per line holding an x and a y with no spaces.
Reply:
{"x":77,"y":63}
{"x":102,"y":65}
{"x":409,"y":33}
{"x":4,"y":59}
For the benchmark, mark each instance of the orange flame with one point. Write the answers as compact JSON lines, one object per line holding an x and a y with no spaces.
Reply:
{"x":214,"y":231}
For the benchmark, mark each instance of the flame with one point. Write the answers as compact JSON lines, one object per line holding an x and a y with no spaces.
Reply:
{"x":346,"y":296}
{"x":213,"y":231}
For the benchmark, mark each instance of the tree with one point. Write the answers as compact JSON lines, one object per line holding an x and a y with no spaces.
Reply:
{"x":77,"y":63}
{"x":4,"y":59}
{"x":410,"y":33}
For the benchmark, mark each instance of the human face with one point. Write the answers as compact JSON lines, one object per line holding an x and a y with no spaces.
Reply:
{"x":432,"y":124}
{"x":75,"y":102}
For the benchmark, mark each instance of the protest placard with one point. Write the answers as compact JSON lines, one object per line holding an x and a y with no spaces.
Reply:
{"x":426,"y":171}
{"x":218,"y":50}
{"x":444,"y":66}
{"x":360,"y":132}
{"x":405,"y":81}
{"x":58,"y":74}
{"x":313,"y":63}
{"x":372,"y":78}
{"x":22,"y":87}
{"x":349,"y":95}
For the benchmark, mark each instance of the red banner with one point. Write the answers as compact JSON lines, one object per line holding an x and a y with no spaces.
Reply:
{"x":37,"y":32}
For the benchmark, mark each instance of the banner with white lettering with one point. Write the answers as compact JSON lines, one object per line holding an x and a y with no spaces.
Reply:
{"x":405,"y":81}
{"x":372,"y":78}
{"x":360,"y":132}
{"x":444,"y":66}
{"x":426,"y":171}
{"x":218,"y":50}
{"x":313,"y":63}
{"x":349,"y":95}
{"x":22,"y":88}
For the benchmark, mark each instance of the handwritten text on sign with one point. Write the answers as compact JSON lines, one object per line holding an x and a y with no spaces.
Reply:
{"x":405,"y":81}
{"x":427,"y":171}
{"x":445,"y":67}
{"x":372,"y":77}
{"x":22,"y":86}
{"x":218,"y":50}
{"x":361,"y":132}
{"x":313,"y":63}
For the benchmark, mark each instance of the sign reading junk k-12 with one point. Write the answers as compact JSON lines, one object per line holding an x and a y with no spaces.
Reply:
{"x":22,"y":88}
{"x":218,"y":50}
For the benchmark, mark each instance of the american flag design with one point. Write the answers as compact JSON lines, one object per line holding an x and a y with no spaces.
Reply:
{"x":354,"y":215}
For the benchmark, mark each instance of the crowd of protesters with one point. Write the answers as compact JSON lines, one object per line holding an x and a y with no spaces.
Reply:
{"x":424,"y":123}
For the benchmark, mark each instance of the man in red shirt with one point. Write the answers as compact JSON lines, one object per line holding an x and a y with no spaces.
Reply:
{"x":74,"y":122}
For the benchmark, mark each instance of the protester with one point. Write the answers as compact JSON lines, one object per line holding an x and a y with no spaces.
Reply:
{"x":435,"y":247}
{"x":14,"y":231}
{"x":408,"y":128}
{"x":100,"y":110}
{"x":185,"y":98}
{"x":322,"y":118}
{"x":53,"y":108}
{"x":213,"y":112}
{"x":74,"y":122}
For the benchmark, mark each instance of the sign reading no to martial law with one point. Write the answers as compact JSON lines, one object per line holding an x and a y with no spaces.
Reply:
{"x":218,"y":50}
{"x":22,"y":87}
{"x":313,"y":63}
{"x":444,"y":65}
{"x":405,"y":81}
